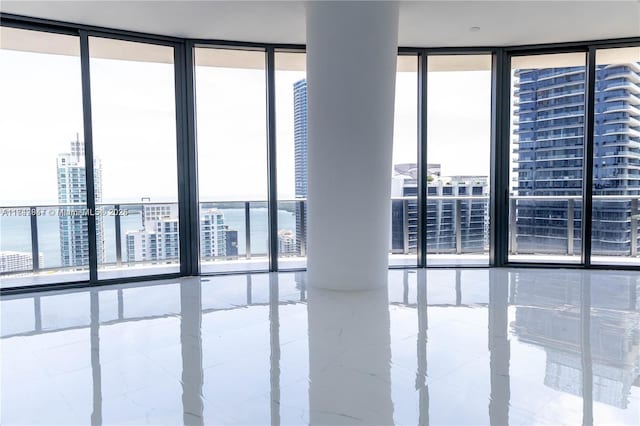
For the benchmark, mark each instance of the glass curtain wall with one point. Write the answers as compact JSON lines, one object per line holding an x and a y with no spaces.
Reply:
{"x":547,"y":149}
{"x":403,"y":239}
{"x":43,"y":198}
{"x":616,"y":161}
{"x":231,"y":130}
{"x":135,"y":159}
{"x":291,"y":162}
{"x":459,"y":159}
{"x":44,"y":215}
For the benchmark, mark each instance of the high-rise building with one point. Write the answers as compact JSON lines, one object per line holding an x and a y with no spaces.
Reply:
{"x":213,"y":234}
{"x":159,"y":237}
{"x":449,"y":203}
{"x":17,"y":261}
{"x":72,"y":195}
{"x":616,"y":156}
{"x":300,"y":143}
{"x":231,"y":236}
{"x":549,"y":139}
{"x":287,"y":243}
{"x":404,"y":212}
{"x":155,"y":212}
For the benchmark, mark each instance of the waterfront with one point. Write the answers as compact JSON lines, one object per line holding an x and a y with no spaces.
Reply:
{"x":15,"y":232}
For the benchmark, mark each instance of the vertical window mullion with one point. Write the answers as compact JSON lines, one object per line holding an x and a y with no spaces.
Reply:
{"x":187,"y":168}
{"x":500,"y":159}
{"x":88,"y":155}
{"x":587,"y":188}
{"x":272,"y":190}
{"x":422,"y":159}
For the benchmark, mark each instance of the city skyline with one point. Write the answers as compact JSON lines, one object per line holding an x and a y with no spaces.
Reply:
{"x":140,"y":174}
{"x":62,"y":118}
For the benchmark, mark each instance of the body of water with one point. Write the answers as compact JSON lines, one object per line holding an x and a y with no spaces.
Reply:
{"x":15,"y":232}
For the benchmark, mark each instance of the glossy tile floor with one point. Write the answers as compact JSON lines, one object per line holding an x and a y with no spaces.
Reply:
{"x":440,"y":347}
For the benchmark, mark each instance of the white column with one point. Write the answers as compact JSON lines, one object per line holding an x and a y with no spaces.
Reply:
{"x":351,"y":71}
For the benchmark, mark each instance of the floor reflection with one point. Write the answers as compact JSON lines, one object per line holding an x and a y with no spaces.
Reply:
{"x":589,"y":330}
{"x":191,"y":350}
{"x":499,"y":347}
{"x":486,"y":346}
{"x":349,"y":357}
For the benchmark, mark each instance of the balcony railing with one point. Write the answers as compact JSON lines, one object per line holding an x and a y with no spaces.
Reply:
{"x":560,"y":217}
{"x":456,"y":225}
{"x":45,"y":227}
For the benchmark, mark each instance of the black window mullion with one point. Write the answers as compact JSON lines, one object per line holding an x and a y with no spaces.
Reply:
{"x":88,"y":155}
{"x":500,"y":159}
{"x":422,"y":159}
{"x":187,"y":168}
{"x":272,"y":191}
{"x":587,"y":189}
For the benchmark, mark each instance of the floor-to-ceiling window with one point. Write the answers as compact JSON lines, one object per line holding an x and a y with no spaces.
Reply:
{"x":547,"y":149}
{"x":230,"y":92}
{"x":45,"y":222}
{"x":43,"y":198}
{"x":459,"y":158}
{"x":135,"y":164}
{"x":404,"y":181}
{"x":616,"y":157}
{"x":291,"y":157}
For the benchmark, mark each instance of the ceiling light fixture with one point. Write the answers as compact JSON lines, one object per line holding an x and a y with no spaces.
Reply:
{"x":474,"y":29}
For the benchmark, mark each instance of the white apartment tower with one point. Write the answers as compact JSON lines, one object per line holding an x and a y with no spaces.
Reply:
{"x":159,"y":238}
{"x":287,"y":243}
{"x":213,"y":234}
{"x":17,"y":261}
{"x":72,"y":195}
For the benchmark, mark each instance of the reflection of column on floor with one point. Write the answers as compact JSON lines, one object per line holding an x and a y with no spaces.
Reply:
{"x":249,"y":289}
{"x":405,"y":287}
{"x":96,"y":371}
{"x":458,"y":287}
{"x":499,"y":346}
{"x":37,"y":311}
{"x":120,"y":304}
{"x":191,"y":345}
{"x":274,"y":332}
{"x":585,"y":343}
{"x":633,"y":298}
{"x":512,"y":288}
{"x":349,"y":357}
{"x":301,"y":284}
{"x":421,"y":374}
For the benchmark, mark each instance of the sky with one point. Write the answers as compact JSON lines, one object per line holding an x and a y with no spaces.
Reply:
{"x":134,"y":127}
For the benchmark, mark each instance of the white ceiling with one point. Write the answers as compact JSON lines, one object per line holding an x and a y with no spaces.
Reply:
{"x":422,"y":23}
